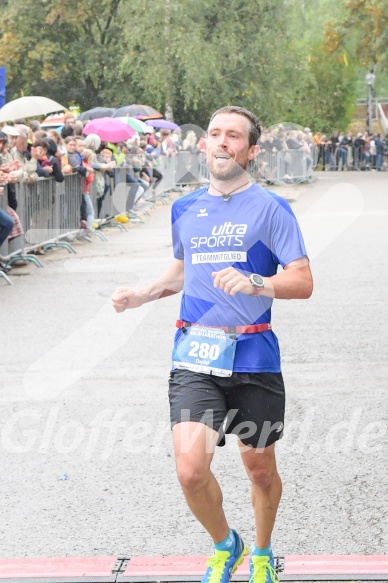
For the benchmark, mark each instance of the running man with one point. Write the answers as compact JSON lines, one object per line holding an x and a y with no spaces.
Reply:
{"x":229,"y":240}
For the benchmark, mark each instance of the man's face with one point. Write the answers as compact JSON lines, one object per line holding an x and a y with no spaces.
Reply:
{"x":21,"y":143}
{"x":70,"y":121}
{"x":12,"y":141}
{"x":228,"y":151}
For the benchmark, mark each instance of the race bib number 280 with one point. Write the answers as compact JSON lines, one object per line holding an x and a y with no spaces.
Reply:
{"x":205,"y":350}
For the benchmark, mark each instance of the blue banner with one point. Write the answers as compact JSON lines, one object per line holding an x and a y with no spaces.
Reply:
{"x":2,"y":86}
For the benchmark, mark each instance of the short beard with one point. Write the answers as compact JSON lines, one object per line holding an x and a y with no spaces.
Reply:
{"x":227,"y":174}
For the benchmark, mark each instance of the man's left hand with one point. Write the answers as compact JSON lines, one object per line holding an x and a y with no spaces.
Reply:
{"x":232,"y":281}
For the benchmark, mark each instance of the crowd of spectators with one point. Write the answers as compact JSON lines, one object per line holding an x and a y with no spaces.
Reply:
{"x":28,"y":153}
{"x":339,"y":151}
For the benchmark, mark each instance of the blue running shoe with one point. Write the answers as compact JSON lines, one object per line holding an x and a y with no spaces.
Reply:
{"x":262,"y":569}
{"x":222,"y":564}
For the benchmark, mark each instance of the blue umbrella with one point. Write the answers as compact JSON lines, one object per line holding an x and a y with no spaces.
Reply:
{"x":162,"y":124}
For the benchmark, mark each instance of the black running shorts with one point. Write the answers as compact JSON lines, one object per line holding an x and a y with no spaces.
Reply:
{"x":250,"y":405}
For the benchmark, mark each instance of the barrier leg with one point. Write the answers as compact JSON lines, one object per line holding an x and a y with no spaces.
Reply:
{"x":30,"y":258}
{"x":99,"y":235}
{"x":63,"y":244}
{"x":5,"y":276}
{"x":113,"y":224}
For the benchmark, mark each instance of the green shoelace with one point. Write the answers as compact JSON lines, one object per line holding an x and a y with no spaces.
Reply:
{"x":217,"y":564}
{"x":261,"y":568}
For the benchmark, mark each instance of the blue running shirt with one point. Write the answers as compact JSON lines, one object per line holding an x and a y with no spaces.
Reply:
{"x":254,"y":232}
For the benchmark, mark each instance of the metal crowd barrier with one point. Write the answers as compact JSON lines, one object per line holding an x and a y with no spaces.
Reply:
{"x":188,"y":168}
{"x":50,"y":212}
{"x":117,"y":198}
{"x":167,"y":167}
{"x":284,"y":166}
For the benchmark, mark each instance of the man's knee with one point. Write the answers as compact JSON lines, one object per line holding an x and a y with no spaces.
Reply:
{"x":261,"y":467}
{"x":192,"y":477}
{"x":262,"y":477}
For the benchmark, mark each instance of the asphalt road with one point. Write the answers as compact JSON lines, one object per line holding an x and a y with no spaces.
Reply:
{"x":87,"y":465}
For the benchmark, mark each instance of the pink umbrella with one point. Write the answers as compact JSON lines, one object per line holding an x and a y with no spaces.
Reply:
{"x":109,"y":130}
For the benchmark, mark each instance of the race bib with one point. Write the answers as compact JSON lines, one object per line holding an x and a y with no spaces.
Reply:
{"x":207,"y":350}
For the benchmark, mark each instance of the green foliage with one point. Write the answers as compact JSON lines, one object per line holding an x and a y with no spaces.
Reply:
{"x":267,"y":55}
{"x":66,"y":51}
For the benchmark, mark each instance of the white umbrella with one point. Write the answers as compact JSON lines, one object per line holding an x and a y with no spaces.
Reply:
{"x":29,"y":106}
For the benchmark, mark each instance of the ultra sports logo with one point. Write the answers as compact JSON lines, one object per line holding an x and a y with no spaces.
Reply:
{"x":226,"y":236}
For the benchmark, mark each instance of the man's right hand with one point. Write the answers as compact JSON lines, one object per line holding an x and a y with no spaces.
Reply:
{"x":126,"y":298}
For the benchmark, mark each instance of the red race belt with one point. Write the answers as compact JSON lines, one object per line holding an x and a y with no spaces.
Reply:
{"x":251,"y":329}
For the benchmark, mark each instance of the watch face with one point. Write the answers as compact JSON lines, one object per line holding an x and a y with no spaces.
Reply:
{"x":257,"y":280}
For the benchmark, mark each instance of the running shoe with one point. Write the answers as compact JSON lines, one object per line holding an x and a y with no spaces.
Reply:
{"x":262,"y":569}
{"x":222,"y":564}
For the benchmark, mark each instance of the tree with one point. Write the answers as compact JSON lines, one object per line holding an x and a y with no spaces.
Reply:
{"x":365,"y":26}
{"x":211,"y":53}
{"x":192,"y":56}
{"x":66,"y":51}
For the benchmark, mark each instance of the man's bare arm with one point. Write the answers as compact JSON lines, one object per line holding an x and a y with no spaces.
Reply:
{"x":169,"y":283}
{"x":294,"y":282}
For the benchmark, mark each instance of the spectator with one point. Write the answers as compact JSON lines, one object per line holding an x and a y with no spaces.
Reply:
{"x":9,"y":170}
{"x":39,"y":135}
{"x":202,"y":144}
{"x":332,"y":145}
{"x":93,"y":142}
{"x":39,"y":153}
{"x":61,"y":148}
{"x":6,"y":226}
{"x":366,"y":157}
{"x":72,"y":161}
{"x":320,"y":140}
{"x":8,"y":230}
{"x":379,"y":152}
{"x":80,"y":146}
{"x":341,"y":157}
{"x":24,"y":131}
{"x":35,"y":127}
{"x":190,"y":143}
{"x":348,"y":142}
{"x":69,"y":119}
{"x":87,"y":210}
{"x":176,"y":138}
{"x":152,"y":155}
{"x":359,"y":144}
{"x":68,"y":129}
{"x":12,"y":134}
{"x":52,"y":158}
{"x":372,"y":152}
{"x":78,"y":128}
{"x":167,"y":145}
{"x":28,"y":165}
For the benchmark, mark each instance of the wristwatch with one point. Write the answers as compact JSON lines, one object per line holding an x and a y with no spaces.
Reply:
{"x":256,"y":280}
